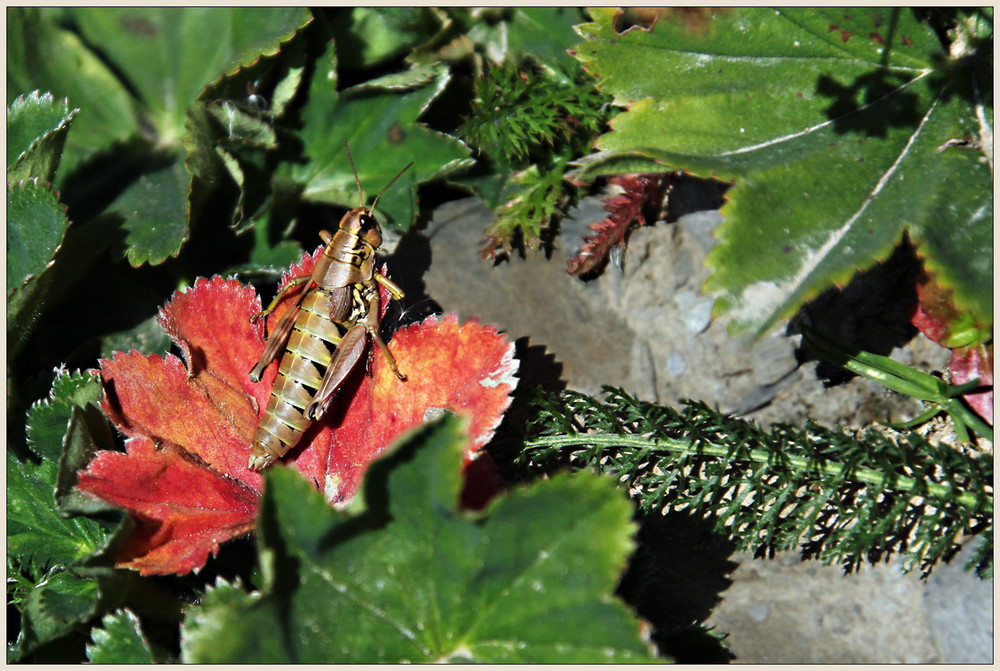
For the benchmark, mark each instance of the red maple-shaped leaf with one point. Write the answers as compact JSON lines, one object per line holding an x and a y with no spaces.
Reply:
{"x":183,"y":477}
{"x":937,"y":316}
{"x":624,"y":209}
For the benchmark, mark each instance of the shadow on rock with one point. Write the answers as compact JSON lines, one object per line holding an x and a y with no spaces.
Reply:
{"x":675,"y":581}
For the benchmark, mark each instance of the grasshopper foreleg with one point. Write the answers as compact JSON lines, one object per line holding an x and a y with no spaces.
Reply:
{"x":294,"y":284}
{"x":276,"y":343}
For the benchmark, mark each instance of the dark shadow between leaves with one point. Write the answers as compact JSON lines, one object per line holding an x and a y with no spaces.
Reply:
{"x":538,"y":369}
{"x":675,"y":580}
{"x":872,"y":313}
{"x":286,"y":570}
{"x":407,"y":267}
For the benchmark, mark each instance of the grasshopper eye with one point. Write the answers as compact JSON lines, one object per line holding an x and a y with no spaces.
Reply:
{"x":367,"y":222}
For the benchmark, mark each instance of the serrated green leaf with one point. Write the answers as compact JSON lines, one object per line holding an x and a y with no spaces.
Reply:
{"x":41,"y":544}
{"x":836,"y":123}
{"x":119,"y":640}
{"x":68,"y":597}
{"x":29,"y":117}
{"x":56,"y":607}
{"x":37,"y":536}
{"x":44,"y":56}
{"x":48,"y":419}
{"x":214,"y":629}
{"x":78,"y":387}
{"x":414,"y":579}
{"x":36,"y":133}
{"x":171,"y":53}
{"x":87,"y":433}
{"x":36,"y":223}
{"x":380,"y":124}
{"x":61,"y":604}
{"x":154,"y":208}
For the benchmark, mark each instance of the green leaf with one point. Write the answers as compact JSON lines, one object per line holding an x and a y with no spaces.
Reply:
{"x":44,"y":547}
{"x":36,"y":223}
{"x":147,"y":336}
{"x":412,"y":578}
{"x":843,"y":128}
{"x":48,"y":419}
{"x":154,"y":209}
{"x":37,"y":536}
{"x":369,"y":35}
{"x":840,"y":496}
{"x":379,"y":121}
{"x":36,"y":133}
{"x":68,"y":596}
{"x":43,"y":56}
{"x":61,"y":605}
{"x":119,"y":640}
{"x":56,"y":607}
{"x":169,"y":54}
{"x":545,"y":34}
{"x":87,"y":433}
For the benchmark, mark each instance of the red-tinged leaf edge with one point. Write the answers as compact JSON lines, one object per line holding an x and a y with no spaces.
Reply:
{"x":970,"y":363}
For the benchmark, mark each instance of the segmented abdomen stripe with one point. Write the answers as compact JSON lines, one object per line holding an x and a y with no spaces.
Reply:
{"x":308,"y":352}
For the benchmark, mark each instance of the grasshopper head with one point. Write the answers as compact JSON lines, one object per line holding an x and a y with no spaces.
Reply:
{"x":362,"y":222}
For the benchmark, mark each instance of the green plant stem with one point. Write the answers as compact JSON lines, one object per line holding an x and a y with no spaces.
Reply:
{"x":799,"y":463}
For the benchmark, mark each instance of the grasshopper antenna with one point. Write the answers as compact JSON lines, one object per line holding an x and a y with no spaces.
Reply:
{"x":390,"y":184}
{"x":361,"y":198}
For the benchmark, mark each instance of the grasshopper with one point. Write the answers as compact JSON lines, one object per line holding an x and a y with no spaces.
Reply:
{"x":325,"y":333}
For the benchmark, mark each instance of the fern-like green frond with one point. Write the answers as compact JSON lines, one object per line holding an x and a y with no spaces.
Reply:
{"x":839,"y":497}
{"x":526,"y":124}
{"x":519,"y":114}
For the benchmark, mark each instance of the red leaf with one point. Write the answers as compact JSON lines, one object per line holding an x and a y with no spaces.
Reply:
{"x":937,"y":317}
{"x":968,"y":364}
{"x":152,"y":396}
{"x":211,"y":337}
{"x":184,"y":477}
{"x":467,"y":369}
{"x":623,"y":210}
{"x":182,"y":510}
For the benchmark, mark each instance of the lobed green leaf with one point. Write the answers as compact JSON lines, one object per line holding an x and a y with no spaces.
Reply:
{"x":169,"y":54}
{"x":42,"y":55}
{"x":36,"y":224}
{"x":379,"y":121}
{"x":119,"y":640}
{"x":844,"y":129}
{"x":412,"y":578}
{"x":37,"y":126}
